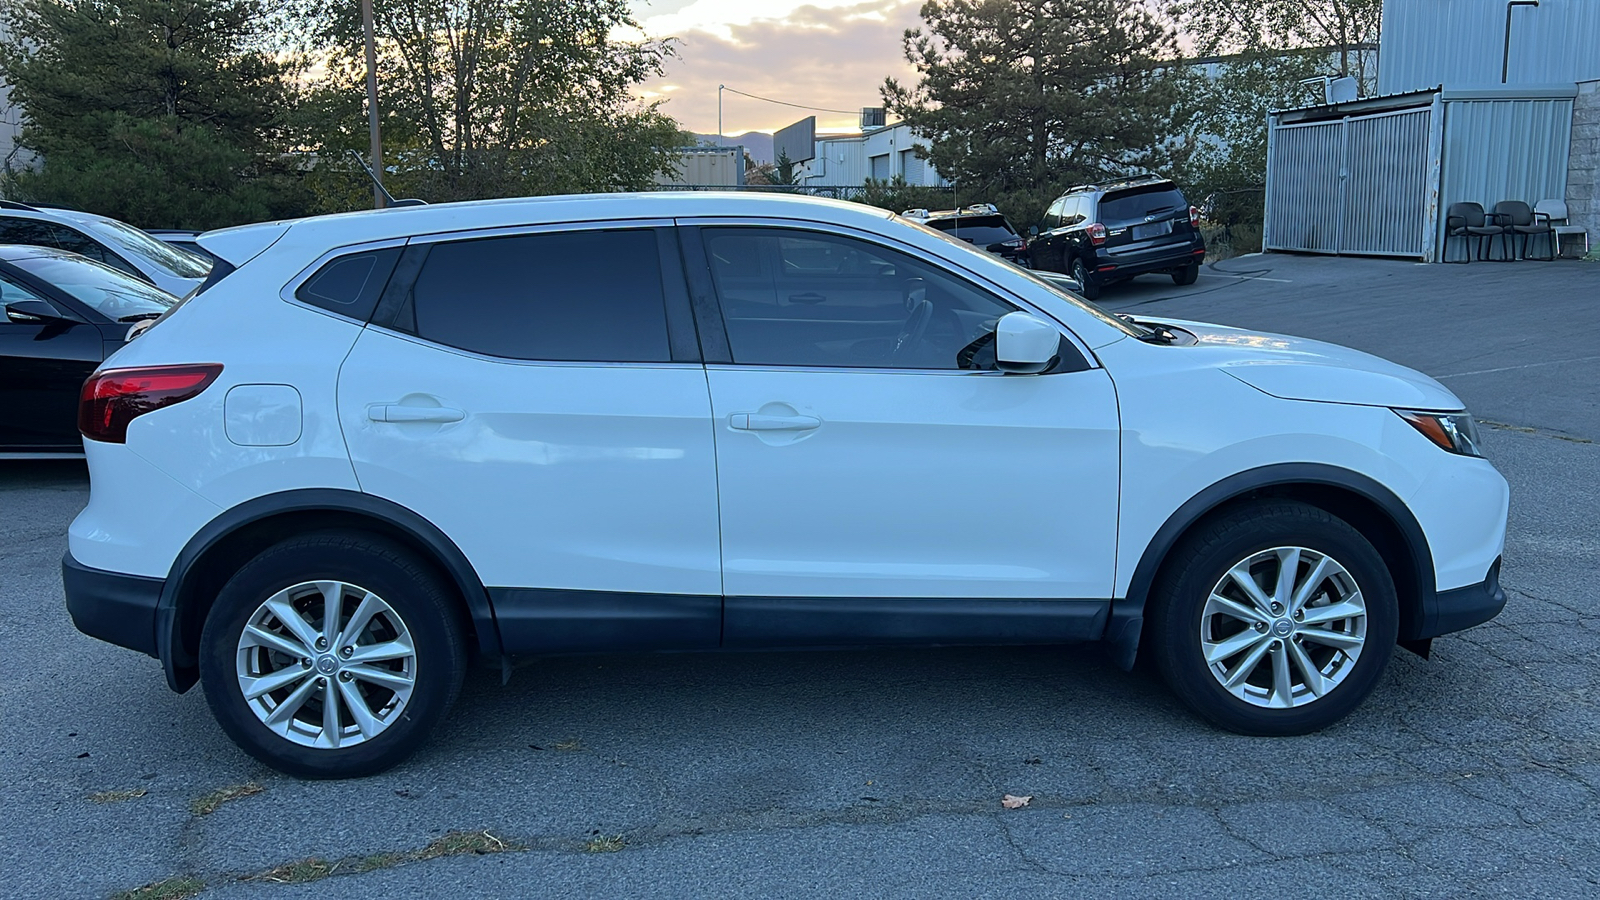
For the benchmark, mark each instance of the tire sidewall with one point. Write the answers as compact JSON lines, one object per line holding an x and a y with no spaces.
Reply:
{"x":413,"y":593}
{"x":1178,"y":620}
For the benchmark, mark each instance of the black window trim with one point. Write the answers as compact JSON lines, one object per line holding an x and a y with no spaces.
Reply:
{"x":708,"y":306}
{"x":683,"y":342}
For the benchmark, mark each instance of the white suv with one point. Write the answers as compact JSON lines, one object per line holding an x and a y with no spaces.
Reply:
{"x":379,"y":443}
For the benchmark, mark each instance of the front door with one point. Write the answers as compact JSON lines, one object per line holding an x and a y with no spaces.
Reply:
{"x":531,"y":400}
{"x":867,"y":449}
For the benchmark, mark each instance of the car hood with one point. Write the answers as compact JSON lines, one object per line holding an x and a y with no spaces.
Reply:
{"x":1300,"y":369}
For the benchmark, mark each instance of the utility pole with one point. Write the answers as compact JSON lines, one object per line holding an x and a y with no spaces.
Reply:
{"x":372,"y":106}
{"x":720,"y":88}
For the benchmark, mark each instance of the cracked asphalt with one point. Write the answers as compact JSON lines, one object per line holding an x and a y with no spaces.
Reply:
{"x":1473,"y":773}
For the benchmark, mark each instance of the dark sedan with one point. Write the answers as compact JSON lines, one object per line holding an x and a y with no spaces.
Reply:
{"x":64,"y":314}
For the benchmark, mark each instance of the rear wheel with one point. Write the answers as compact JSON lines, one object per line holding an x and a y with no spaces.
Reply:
{"x":1274,"y":619}
{"x":332,"y":655}
{"x":1186,"y":274}
{"x":1080,"y":274}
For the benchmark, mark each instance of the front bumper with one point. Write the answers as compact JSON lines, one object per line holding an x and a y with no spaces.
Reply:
{"x":1462,"y":608}
{"x":112,"y":606}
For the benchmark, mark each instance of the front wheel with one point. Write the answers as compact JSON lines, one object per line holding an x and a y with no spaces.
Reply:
{"x":332,"y":655}
{"x":1274,"y":619}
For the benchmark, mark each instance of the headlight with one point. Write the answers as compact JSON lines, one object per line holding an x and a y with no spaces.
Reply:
{"x":1456,"y":432}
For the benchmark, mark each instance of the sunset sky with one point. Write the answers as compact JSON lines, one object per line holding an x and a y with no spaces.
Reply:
{"x":827,"y":53}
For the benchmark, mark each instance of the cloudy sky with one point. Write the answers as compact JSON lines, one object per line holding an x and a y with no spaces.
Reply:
{"x":825,"y":53}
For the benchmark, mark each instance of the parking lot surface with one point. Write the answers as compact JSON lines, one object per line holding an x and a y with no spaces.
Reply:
{"x":1473,"y":773}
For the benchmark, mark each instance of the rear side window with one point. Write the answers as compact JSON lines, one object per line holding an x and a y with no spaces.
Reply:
{"x":579,"y":296}
{"x":349,"y":285}
{"x":1123,"y":207}
{"x":31,"y":232}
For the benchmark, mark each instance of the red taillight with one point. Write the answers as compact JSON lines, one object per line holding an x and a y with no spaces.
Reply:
{"x":1194,"y":216}
{"x":1097,"y":234}
{"x":115,"y":397}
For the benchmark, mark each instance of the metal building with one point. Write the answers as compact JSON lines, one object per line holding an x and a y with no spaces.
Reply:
{"x":1377,"y":175}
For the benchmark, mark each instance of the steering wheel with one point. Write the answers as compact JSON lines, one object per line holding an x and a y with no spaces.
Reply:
{"x":913,"y":328}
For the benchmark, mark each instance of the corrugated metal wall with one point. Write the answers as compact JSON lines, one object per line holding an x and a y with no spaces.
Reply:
{"x":1356,"y":185}
{"x":1426,"y":43}
{"x":1504,"y":150}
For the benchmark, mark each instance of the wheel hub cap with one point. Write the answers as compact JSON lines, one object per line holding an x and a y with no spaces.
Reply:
{"x":298,"y":639}
{"x":1283,"y":627}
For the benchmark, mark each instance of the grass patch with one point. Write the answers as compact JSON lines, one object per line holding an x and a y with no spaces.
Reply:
{"x":117,"y":796}
{"x":604,"y":844}
{"x":181,"y":888}
{"x":207,"y":804}
{"x":455,"y":843}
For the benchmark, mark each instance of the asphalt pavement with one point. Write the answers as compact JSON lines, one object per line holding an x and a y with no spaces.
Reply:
{"x":881,"y":774}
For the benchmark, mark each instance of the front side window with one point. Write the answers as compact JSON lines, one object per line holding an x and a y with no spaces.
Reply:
{"x":799,"y":298}
{"x":28,"y":232}
{"x":582,"y":296}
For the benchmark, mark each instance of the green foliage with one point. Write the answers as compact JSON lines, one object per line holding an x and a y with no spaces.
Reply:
{"x":165,"y":113}
{"x":898,"y":196}
{"x":488,"y":98}
{"x":1023,"y":98}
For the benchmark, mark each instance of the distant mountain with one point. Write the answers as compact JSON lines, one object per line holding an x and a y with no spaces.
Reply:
{"x":756,"y":143}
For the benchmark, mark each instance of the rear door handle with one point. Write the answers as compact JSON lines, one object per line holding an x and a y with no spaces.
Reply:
{"x":394,"y":412}
{"x":760,"y":422}
{"x":808,"y":299}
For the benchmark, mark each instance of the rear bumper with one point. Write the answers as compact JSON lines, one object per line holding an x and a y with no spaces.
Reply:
{"x":1462,"y":608}
{"x":112,"y":606}
{"x":1140,"y":263}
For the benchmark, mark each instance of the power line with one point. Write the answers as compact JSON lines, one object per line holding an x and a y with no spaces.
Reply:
{"x":847,"y":112}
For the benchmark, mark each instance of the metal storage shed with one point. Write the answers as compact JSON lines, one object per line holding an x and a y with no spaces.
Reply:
{"x":1375,"y":176}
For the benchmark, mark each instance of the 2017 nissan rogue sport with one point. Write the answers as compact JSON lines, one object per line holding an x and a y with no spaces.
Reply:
{"x":381,"y":442}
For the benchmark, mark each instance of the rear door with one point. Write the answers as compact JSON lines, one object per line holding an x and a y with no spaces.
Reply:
{"x":537,"y":395}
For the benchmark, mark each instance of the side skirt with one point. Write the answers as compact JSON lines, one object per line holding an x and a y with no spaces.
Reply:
{"x":534,"y":621}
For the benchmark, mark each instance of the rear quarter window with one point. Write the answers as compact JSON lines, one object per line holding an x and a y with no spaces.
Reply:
{"x":350,"y":285}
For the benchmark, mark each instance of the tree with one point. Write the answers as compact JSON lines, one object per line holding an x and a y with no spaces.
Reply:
{"x":494,"y":98}
{"x":1021,"y":98}
{"x":166,"y":113}
{"x":1346,"y":30}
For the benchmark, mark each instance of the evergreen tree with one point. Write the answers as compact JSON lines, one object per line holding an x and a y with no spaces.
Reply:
{"x":165,"y":113}
{"x":1021,"y":98}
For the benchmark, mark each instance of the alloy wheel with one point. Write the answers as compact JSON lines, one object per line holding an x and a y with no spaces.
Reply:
{"x":1283,"y":627}
{"x":326,"y":664}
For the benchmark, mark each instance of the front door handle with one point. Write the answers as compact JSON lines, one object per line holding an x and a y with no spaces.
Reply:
{"x":394,"y":412}
{"x":761,"y":422}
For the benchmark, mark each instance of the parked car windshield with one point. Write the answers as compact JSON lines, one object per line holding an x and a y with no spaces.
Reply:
{"x":130,"y":241}
{"x":113,"y":294}
{"x":980,"y":230}
{"x":1133,"y":205}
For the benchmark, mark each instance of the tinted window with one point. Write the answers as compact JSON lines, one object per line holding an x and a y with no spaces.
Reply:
{"x":350,"y":285}
{"x":1074,"y":211}
{"x":31,"y":232}
{"x":1053,"y":217}
{"x":110,"y":292}
{"x":1122,"y":207}
{"x":980,"y":230}
{"x":584,"y":296}
{"x":795,"y":298}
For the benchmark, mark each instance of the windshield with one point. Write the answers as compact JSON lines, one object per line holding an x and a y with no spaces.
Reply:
{"x":130,"y":241}
{"x":1126,"y":327}
{"x":118,"y":297}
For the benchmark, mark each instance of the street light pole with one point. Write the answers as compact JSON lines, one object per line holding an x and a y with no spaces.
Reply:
{"x":719,"y":114}
{"x":372,"y":106}
{"x":1505,"y":61}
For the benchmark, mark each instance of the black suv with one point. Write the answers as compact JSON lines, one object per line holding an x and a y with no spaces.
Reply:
{"x":980,"y":224}
{"x":1103,"y":233}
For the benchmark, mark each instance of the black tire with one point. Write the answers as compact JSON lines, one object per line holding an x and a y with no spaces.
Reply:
{"x":1186,"y":275}
{"x":1085,"y":279}
{"x":430,"y":612}
{"x":1199,"y":563}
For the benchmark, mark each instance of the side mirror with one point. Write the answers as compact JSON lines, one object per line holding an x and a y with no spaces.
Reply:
{"x":33,"y":312}
{"x":1025,"y":344}
{"x":1033,"y":231}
